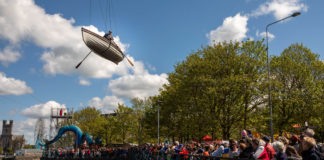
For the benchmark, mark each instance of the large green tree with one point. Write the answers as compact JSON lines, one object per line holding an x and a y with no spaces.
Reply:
{"x":139,"y":107}
{"x":89,"y":120}
{"x":215,"y":88}
{"x":297,"y":77}
{"x":125,"y":122}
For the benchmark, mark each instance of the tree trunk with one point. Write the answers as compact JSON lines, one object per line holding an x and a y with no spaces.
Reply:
{"x":245,"y":115}
{"x":139,"y":133}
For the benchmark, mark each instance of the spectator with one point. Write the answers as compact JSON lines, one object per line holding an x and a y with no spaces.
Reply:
{"x":244,"y":152}
{"x":293,"y":141}
{"x":309,"y":133}
{"x":283,"y":139}
{"x":259,"y":150}
{"x":218,"y":152}
{"x":292,"y":153}
{"x":244,"y":134}
{"x":206,"y":153}
{"x":226,"y":149}
{"x":279,"y":147}
{"x":233,"y":149}
{"x":184,"y":152}
{"x":309,"y":152}
{"x":270,"y":151}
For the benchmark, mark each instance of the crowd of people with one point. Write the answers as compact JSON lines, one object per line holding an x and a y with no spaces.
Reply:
{"x":87,"y":153}
{"x":295,"y":147}
{"x":303,"y":146}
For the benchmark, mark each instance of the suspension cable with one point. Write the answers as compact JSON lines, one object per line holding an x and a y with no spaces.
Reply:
{"x":110,"y":9}
{"x":90,"y":12}
{"x":103,"y":15}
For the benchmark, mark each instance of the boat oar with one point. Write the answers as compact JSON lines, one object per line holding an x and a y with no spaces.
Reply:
{"x":129,"y":61}
{"x":77,"y":66}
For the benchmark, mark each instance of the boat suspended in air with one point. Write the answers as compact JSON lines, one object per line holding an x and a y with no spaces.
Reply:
{"x":103,"y":47}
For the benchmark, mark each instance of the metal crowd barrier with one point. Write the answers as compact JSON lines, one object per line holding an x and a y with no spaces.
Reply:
{"x":144,"y":155}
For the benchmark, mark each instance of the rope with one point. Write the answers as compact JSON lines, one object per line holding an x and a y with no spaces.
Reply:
{"x":110,"y":8}
{"x":103,"y":15}
{"x":114,"y":18}
{"x":107,"y":48}
{"x":90,"y":11}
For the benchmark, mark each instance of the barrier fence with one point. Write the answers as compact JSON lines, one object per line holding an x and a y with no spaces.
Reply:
{"x":141,"y":155}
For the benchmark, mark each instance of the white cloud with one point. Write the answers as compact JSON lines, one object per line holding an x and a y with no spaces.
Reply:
{"x":27,"y":128}
{"x":151,"y":67}
{"x":84,"y":82}
{"x":41,"y":110}
{"x":140,"y":84}
{"x":25,"y":21}
{"x":263,"y":35}
{"x":9,"y":55}
{"x":233,"y":28}
{"x":11,"y":86}
{"x":108,"y":104}
{"x":280,"y":8}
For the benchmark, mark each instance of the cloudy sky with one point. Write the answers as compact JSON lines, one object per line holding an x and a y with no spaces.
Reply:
{"x":41,"y":42}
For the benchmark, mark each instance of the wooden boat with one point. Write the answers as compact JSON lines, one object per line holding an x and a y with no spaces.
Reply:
{"x":102,"y":46}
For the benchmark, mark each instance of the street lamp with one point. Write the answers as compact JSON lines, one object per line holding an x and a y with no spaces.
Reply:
{"x":158,"y":119}
{"x":268,"y":66}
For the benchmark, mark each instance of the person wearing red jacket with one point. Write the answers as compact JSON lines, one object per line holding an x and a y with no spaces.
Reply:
{"x":259,"y":151}
{"x":271,"y":152}
{"x":184,"y":152}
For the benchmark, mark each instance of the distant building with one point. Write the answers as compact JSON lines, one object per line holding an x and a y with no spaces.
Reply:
{"x":9,"y":141}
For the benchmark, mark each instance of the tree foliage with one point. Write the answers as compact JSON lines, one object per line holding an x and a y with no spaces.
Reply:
{"x":213,"y":90}
{"x":297,"y":79}
{"x":220,"y":90}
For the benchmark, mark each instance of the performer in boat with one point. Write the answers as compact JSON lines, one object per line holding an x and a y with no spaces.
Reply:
{"x":109,"y":36}
{"x":111,"y":39}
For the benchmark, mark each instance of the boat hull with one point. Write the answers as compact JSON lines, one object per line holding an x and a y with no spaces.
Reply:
{"x":102,"y":46}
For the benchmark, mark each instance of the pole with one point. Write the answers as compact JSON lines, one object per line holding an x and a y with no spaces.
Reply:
{"x":269,"y":87}
{"x":140,"y":132}
{"x":158,"y":118}
{"x":268,"y":68}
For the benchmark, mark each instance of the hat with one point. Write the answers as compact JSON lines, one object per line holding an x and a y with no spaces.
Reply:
{"x":243,"y":133}
{"x":309,"y":132}
{"x":266,"y":138}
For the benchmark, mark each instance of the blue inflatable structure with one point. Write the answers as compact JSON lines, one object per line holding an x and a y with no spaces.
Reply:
{"x":77,"y":131}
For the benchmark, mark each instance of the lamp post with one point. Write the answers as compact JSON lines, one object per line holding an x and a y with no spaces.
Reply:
{"x":268,"y":66}
{"x":158,"y":119}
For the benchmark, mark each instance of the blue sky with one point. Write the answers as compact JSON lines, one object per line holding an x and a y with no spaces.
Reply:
{"x":41,"y":42}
